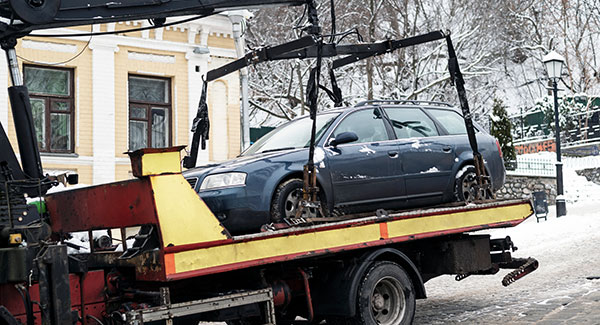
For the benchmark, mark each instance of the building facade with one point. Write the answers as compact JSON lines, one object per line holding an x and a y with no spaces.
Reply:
{"x":95,"y":98}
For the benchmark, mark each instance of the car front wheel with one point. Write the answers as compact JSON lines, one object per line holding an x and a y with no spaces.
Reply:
{"x":288,"y":196}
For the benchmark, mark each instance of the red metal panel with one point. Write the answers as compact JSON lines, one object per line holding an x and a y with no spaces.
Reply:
{"x":94,"y":296}
{"x":115,"y":205}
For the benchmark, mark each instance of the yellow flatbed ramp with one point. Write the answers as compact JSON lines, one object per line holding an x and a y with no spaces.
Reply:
{"x":202,"y":258}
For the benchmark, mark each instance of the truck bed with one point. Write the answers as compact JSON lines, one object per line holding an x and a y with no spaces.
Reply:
{"x":240,"y":252}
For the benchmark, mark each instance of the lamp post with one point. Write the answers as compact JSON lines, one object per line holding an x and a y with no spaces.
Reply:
{"x":238,"y":18}
{"x":554,"y":63}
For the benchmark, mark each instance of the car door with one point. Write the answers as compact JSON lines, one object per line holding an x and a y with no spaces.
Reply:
{"x":425,"y":159}
{"x":364,"y":171}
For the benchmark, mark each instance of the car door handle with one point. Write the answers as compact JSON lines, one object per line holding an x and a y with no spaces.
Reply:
{"x":447,"y":149}
{"x":393,"y":154}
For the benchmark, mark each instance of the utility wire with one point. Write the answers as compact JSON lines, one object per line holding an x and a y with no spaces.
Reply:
{"x":62,"y":62}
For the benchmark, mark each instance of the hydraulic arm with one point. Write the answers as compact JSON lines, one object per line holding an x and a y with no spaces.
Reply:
{"x":30,"y":15}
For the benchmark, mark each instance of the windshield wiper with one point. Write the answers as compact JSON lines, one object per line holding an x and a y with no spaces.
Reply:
{"x":278,"y":149}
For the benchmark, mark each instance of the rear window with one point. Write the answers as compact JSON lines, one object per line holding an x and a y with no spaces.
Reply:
{"x":411,"y":123}
{"x":450,"y":120}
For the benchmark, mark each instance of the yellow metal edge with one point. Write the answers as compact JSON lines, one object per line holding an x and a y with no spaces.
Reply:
{"x":329,"y":239}
{"x":183,"y":217}
{"x":161,"y":163}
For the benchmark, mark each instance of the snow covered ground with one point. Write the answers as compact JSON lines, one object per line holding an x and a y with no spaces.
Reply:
{"x":565,"y":288}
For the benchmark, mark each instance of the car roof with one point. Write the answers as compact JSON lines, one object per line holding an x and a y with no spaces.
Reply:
{"x":394,"y":103}
{"x":387,"y":103}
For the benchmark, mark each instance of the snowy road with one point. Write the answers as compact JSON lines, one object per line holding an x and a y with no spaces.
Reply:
{"x":558,"y":292}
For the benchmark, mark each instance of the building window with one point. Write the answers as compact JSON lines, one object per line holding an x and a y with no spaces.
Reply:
{"x":149,"y":112}
{"x":51,"y":92}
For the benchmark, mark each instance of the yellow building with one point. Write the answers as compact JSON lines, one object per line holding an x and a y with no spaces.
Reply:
{"x":94,"y":98}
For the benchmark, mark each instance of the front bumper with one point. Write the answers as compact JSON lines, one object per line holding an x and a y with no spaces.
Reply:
{"x":236,"y":210}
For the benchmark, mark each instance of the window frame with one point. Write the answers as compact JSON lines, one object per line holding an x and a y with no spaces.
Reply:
{"x":391,"y":136}
{"x":438,"y":128}
{"x":48,"y":111}
{"x":441,"y":125}
{"x":148,"y":106}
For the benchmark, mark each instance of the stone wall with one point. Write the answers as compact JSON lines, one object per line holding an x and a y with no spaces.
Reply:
{"x":591,"y":174}
{"x":521,"y":187}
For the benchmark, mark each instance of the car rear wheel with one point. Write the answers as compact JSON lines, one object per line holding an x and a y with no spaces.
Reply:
{"x":465,"y":189}
{"x":286,"y":200}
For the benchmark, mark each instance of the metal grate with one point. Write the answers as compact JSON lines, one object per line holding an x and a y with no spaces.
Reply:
{"x":193,"y":181}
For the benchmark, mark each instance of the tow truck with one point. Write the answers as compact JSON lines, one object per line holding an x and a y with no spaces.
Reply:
{"x":182,"y":266}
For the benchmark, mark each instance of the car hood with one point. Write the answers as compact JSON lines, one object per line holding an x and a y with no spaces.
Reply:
{"x":238,"y":164}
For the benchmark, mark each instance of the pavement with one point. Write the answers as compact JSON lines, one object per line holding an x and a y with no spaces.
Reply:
{"x":564,"y":290}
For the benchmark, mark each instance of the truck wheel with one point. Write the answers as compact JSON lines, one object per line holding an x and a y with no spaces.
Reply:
{"x":386,"y":296}
{"x":286,"y":199}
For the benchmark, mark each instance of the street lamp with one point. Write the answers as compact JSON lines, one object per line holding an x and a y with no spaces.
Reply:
{"x":554,"y":63}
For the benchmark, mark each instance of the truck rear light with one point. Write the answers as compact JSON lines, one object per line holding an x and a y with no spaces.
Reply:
{"x":499,"y":149}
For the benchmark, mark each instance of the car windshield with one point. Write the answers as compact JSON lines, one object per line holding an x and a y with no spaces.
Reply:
{"x":293,"y":135}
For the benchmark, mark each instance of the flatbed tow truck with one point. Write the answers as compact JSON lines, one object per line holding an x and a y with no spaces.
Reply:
{"x":182,"y":266}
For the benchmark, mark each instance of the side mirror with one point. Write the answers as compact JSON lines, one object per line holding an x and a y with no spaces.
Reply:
{"x":344,"y":137}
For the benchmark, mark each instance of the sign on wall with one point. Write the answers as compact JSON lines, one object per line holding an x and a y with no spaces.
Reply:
{"x":533,"y":147}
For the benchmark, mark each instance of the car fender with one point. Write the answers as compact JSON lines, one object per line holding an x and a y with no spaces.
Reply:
{"x":466,"y":158}
{"x":293,"y":170}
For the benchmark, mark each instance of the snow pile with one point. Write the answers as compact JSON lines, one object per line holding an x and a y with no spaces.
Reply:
{"x":578,"y":188}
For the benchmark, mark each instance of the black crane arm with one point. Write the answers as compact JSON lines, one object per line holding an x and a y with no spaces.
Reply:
{"x":25,"y":16}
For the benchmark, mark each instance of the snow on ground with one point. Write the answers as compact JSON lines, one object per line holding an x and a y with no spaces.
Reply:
{"x":558,"y":292}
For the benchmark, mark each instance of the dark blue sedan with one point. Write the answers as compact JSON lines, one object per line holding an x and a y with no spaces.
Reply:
{"x":374,"y":155}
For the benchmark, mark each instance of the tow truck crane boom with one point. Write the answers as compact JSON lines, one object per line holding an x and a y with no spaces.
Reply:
{"x":29,"y":15}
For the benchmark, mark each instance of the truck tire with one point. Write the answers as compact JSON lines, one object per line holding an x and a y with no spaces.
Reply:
{"x":386,"y":296}
{"x":286,"y":198}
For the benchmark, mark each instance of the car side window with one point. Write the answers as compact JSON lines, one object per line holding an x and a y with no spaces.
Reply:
{"x":411,"y":123}
{"x":367,"y":124}
{"x":450,"y":120}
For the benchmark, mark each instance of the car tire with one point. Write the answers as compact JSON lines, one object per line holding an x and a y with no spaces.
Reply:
{"x":386,"y":296}
{"x":286,"y":198}
{"x":465,"y":180}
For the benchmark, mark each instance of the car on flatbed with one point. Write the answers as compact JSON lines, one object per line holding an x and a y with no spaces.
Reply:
{"x":391,"y":155}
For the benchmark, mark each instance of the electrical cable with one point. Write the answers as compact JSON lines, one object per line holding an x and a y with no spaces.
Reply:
{"x":26,"y":302}
{"x":95,"y":319}
{"x":62,"y":62}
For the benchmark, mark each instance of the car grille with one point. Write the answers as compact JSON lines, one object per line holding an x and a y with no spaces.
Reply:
{"x":193,"y":181}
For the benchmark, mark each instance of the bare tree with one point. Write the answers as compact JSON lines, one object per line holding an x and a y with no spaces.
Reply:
{"x":500,"y":45}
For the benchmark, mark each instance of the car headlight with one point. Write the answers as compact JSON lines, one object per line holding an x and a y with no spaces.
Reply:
{"x":223,"y":180}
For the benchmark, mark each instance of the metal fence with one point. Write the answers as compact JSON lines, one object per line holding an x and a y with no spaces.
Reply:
{"x":536,"y":165}
{"x":579,"y":163}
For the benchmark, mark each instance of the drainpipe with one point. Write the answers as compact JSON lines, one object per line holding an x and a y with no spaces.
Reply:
{"x":238,"y":19}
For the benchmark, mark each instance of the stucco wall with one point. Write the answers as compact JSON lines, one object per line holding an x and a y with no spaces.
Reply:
{"x":101,"y":97}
